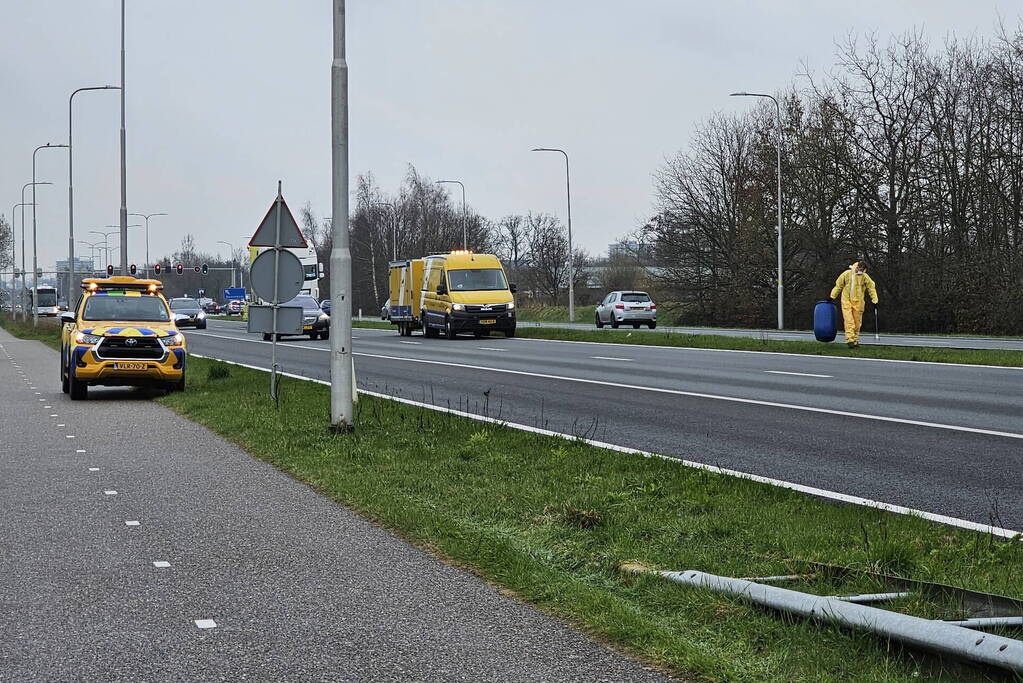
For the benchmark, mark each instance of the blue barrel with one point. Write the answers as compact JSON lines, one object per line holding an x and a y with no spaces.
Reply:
{"x":825,"y":321}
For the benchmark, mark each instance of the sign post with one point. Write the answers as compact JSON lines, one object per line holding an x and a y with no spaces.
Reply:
{"x":276,"y":276}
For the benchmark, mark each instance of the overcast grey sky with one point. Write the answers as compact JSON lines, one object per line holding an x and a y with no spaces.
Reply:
{"x":224,"y":97}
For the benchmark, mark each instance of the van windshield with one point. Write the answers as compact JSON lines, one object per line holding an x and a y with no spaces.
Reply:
{"x":476,"y":279}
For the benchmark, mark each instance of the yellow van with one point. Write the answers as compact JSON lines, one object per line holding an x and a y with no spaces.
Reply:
{"x":451,"y":293}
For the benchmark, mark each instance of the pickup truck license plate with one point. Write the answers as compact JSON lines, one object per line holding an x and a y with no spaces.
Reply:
{"x":129,"y":366}
{"x":488,"y":321}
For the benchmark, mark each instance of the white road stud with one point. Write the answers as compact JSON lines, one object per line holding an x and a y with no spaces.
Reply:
{"x":205,"y":623}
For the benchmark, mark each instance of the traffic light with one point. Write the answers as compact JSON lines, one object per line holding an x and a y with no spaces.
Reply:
{"x":132,"y":269}
{"x":180,"y":268}
{"x":205,"y":269}
{"x":157,"y":267}
{"x":195,"y":268}
{"x":110,"y":270}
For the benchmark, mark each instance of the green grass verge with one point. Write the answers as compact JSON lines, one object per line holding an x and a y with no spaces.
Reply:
{"x":553,"y":314}
{"x":551,"y":519}
{"x":47,"y":332}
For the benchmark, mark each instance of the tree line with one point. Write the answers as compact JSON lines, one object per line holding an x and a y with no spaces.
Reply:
{"x":906,"y":156}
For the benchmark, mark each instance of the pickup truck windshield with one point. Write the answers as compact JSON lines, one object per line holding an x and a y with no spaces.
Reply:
{"x":476,"y":279}
{"x":126,"y":308}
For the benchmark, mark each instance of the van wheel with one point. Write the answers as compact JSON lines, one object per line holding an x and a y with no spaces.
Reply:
{"x":429,"y":331}
{"x":596,"y":317}
{"x":510,"y":332}
{"x":449,"y":330}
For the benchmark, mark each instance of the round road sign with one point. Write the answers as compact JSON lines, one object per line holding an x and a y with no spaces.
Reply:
{"x":290,"y":275}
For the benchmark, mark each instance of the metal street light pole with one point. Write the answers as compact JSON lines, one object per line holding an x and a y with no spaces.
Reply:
{"x":229,"y":246}
{"x":35,"y":251}
{"x":124,"y":257}
{"x":342,"y":377}
{"x":106,"y":244}
{"x":781,"y":282}
{"x":24,"y":273}
{"x":124,"y":173}
{"x":147,"y":216}
{"x":571,"y":252}
{"x":465,"y":241}
{"x":71,"y":191}
{"x":92,"y":253}
{"x":14,"y":253}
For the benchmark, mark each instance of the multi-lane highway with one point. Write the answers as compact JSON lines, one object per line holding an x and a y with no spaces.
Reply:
{"x":945,"y":439}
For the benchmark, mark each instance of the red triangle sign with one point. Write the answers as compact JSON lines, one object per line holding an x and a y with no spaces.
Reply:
{"x":291,"y":235}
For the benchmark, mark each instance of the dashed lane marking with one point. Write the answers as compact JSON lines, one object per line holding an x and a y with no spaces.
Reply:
{"x":161,"y":564}
{"x":205,"y":623}
{"x":110,"y":493}
{"x":70,"y":436}
{"x":80,"y":450}
{"x":132,"y":522}
{"x":610,"y":358}
{"x":798,"y":374}
{"x":94,"y":469}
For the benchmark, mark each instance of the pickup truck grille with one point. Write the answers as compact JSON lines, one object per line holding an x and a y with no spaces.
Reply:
{"x":143,"y":348}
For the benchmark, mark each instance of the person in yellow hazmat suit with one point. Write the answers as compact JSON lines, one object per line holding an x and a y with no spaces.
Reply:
{"x":852,"y":286}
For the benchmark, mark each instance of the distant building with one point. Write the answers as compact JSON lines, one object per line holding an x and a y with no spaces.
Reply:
{"x":639,"y":250}
{"x":82,"y":265}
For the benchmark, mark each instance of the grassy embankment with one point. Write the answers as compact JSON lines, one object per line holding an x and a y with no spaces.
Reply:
{"x":552,"y":519}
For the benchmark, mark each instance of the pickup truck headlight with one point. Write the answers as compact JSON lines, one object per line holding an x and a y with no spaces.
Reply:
{"x":174,"y":340}
{"x":457,"y":307}
{"x":82,"y":338}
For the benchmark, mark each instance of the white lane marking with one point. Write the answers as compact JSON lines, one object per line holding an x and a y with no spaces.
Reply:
{"x":781,"y":483}
{"x":610,"y":358}
{"x":53,"y":414}
{"x":70,"y":436}
{"x":110,"y":493}
{"x":132,"y":522}
{"x":42,"y":400}
{"x":62,"y":425}
{"x":780,"y":353}
{"x":94,"y":469}
{"x":50,"y":407}
{"x":38,"y":393}
{"x":409,"y":342}
{"x":490,"y":348}
{"x":161,"y":564}
{"x":205,"y":623}
{"x":696,"y":394}
{"x":798,"y":374}
{"x":80,"y":450}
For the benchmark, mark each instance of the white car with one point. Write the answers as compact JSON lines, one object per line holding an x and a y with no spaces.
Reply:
{"x":628,"y":308}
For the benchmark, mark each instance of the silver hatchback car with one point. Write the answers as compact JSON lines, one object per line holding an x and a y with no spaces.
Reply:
{"x":627,"y":308}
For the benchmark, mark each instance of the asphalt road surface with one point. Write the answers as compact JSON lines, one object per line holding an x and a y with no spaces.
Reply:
{"x":140,"y":546}
{"x":866,"y":335}
{"x":944,"y":439}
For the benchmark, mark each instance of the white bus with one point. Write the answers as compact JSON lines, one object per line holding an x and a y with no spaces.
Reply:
{"x":44,"y":302}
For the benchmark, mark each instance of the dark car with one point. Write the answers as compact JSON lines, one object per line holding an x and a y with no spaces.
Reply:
{"x":315,"y":322}
{"x":187,"y":312}
{"x":211,"y":307}
{"x":325,"y":305}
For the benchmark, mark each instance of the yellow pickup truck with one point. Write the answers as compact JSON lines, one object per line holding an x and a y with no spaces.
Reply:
{"x":120,"y":332}
{"x":450,"y":293}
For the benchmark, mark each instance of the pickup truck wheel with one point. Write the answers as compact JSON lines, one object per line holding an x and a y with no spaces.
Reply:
{"x":64,"y":384}
{"x":510,"y":332}
{"x":77,"y":390}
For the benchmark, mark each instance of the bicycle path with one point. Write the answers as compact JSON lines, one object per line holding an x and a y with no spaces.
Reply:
{"x":139,"y":545}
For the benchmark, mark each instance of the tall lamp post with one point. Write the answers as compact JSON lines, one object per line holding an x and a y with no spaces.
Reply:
{"x":70,"y":188}
{"x":14,"y":253}
{"x":147,"y":216}
{"x":124,"y":173}
{"x":24,"y":273}
{"x":35,"y":251}
{"x":394,"y":228}
{"x":781,"y":283}
{"x":106,"y":244}
{"x":571,"y":253}
{"x":92,"y":253}
{"x":229,"y":246}
{"x":465,"y":240}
